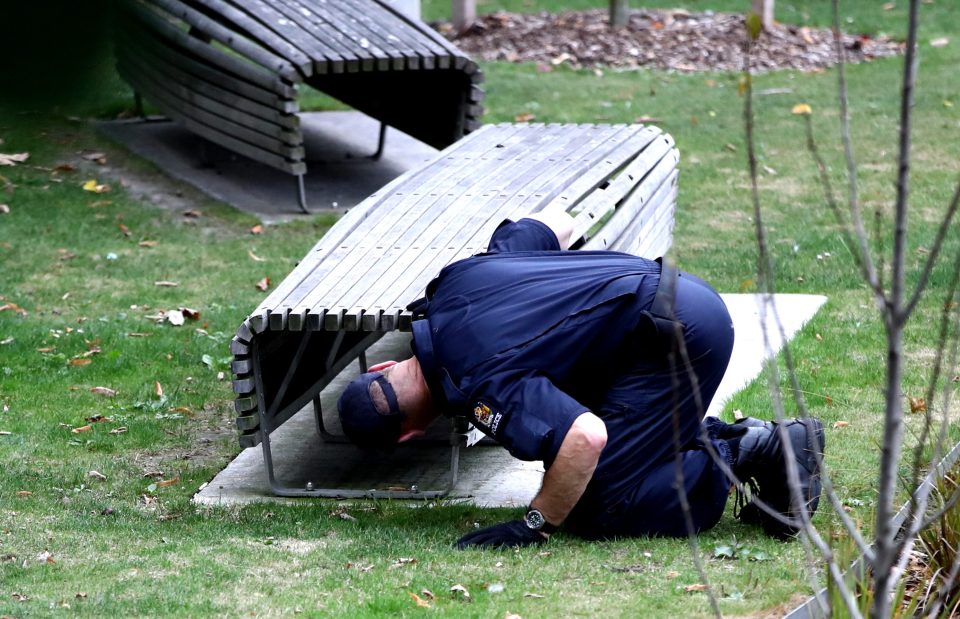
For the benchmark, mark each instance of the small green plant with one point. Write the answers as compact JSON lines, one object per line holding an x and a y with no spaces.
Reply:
{"x":736,"y":550}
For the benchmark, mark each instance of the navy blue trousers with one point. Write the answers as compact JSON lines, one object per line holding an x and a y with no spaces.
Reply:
{"x":649,"y":410}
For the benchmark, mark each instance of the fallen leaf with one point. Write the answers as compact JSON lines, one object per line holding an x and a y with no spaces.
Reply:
{"x":221,"y":375}
{"x":168,"y":482}
{"x":13,"y":158}
{"x":96,"y":157}
{"x":257,"y":229}
{"x":192,"y":214}
{"x":183,"y":410}
{"x":158,"y":388}
{"x":192,"y":314}
{"x":696,"y":587}
{"x":92,"y":185}
{"x":461,"y":590}
{"x":14,"y":308}
{"x":802,"y":109}
{"x":738,"y":414}
{"x":45,"y":557}
{"x":524,"y":117}
{"x":422,"y":603}
{"x":646,"y":119}
{"x":427,"y":593}
{"x":120,"y":430}
{"x":138,"y":335}
{"x":124,"y":229}
{"x":5,"y":433}
{"x":19,"y":596}
{"x":939,"y":42}
{"x":148,"y":243}
{"x":889,"y":6}
{"x":47,"y":350}
{"x":402,"y":561}
{"x":79,"y":362}
{"x":107,"y":391}
{"x":918,"y":405}
{"x":165,"y":284}
{"x":80,"y":594}
{"x":175,"y":317}
{"x":840,"y":424}
{"x":4,"y":209}
{"x":263,"y":284}
{"x":510,"y":615}
{"x":96,"y":418}
{"x":818,"y":337}
{"x":536,"y":596}
{"x":730,"y":147}
{"x":82,"y":429}
{"x":24,"y":493}
{"x":65,"y":167}
{"x":97,"y":475}
{"x":673,"y":574}
{"x":828,"y":399}
{"x":255,"y":257}
{"x":7,"y":340}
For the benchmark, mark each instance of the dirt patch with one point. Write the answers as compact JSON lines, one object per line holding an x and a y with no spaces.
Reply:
{"x":671,"y":40}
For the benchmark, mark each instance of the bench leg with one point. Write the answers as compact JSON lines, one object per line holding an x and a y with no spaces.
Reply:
{"x":302,"y":194}
{"x":381,"y":142}
{"x":138,"y":105}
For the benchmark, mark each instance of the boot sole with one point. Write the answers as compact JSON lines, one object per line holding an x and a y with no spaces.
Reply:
{"x":818,"y":441}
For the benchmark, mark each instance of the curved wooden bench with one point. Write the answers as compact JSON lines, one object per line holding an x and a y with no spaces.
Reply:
{"x":228,"y":70}
{"x":618,"y":181}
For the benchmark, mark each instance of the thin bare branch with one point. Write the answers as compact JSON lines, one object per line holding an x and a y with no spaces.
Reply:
{"x":891,"y":447}
{"x":856,"y":217}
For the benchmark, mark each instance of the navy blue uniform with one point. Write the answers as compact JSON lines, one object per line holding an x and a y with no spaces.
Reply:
{"x":525,"y":338}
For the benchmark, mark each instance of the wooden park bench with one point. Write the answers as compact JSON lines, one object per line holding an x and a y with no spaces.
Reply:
{"x":618,"y":181}
{"x":229,"y":71}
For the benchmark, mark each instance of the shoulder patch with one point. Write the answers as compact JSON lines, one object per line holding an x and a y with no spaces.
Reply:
{"x":487,"y":417}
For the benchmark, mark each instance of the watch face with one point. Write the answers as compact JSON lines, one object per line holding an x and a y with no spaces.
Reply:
{"x":534,"y":519}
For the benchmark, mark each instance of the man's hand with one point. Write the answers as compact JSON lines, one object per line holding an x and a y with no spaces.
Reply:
{"x":505,"y":535}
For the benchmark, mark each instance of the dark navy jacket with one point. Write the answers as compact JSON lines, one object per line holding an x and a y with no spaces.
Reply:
{"x":525,"y":338}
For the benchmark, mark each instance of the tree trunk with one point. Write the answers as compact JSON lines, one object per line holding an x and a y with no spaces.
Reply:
{"x":764,"y":8}
{"x":618,"y":13}
{"x":464,"y":14}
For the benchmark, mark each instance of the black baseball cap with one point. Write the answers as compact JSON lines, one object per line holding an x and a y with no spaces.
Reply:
{"x":365,"y":419}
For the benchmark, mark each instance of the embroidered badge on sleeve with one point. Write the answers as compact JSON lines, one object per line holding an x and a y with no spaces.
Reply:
{"x":486,"y":417}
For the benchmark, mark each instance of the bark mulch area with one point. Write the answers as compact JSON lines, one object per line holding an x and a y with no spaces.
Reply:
{"x":671,"y":40}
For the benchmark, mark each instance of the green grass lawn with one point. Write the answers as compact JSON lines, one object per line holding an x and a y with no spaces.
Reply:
{"x":82,"y":269}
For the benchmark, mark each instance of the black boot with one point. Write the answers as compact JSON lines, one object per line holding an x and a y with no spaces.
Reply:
{"x":761,"y":465}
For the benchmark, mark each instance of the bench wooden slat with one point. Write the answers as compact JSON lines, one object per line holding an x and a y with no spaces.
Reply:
{"x":305,"y":278}
{"x":331,"y":23}
{"x":336,"y":38}
{"x":255,"y":74}
{"x":455,"y":224}
{"x":282,"y":142}
{"x":290,"y":65}
{"x":388,"y":24}
{"x":208,"y":80}
{"x":284,"y":127}
{"x":292,"y":162}
{"x":412,"y":53}
{"x":393,"y":219}
{"x":459,"y":59}
{"x":630,"y":235}
{"x":290,"y":30}
{"x":601,"y":202}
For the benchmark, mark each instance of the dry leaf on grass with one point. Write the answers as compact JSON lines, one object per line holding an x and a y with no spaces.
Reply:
{"x":696,"y":587}
{"x":402,"y":561}
{"x":10,"y":159}
{"x":192,"y":214}
{"x":175,"y":317}
{"x":20,"y":597}
{"x":158,"y":388}
{"x":192,"y":314}
{"x":255,"y":257}
{"x":85,"y":428}
{"x":427,"y":593}
{"x":840,"y":424}
{"x":535,"y":596}
{"x":96,"y":419}
{"x":97,"y":475}
{"x":419,"y":600}
{"x":5,"y":433}
{"x":95,"y":187}
{"x":918,"y":405}
{"x":24,"y":493}
{"x":939,"y":42}
{"x":124,"y":229}
{"x":460,"y":591}
{"x":79,"y":362}
{"x":263,"y":284}
{"x":148,"y":243}
{"x":510,"y":615}
{"x":165,"y":284}
{"x":107,"y":391}
{"x":524,"y":117}
{"x":257,"y":229}
{"x":168,"y":482}
{"x":4,"y":209}
{"x":45,"y":557}
{"x":120,"y":430}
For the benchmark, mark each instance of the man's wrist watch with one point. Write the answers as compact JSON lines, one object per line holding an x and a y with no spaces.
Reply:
{"x":535,"y":520}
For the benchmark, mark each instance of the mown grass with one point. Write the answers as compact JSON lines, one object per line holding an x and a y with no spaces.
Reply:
{"x":136,"y":550}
